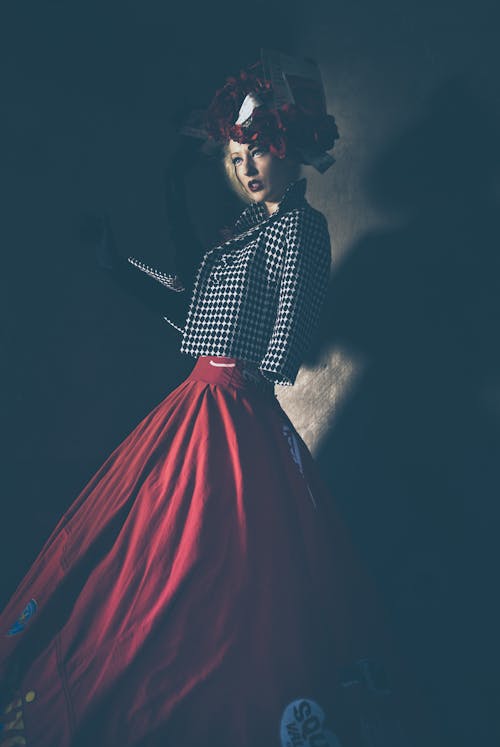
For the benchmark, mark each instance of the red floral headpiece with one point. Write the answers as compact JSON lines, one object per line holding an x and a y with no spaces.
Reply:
{"x":293,"y":126}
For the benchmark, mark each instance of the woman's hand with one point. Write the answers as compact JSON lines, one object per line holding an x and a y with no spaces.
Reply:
{"x":106,"y":252}
{"x":96,"y":232}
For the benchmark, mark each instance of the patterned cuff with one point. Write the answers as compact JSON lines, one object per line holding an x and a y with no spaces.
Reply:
{"x":169,"y":280}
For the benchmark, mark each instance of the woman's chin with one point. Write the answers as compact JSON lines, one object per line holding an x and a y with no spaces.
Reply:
{"x":259,"y":196}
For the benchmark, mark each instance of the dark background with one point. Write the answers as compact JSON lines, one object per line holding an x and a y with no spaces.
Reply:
{"x":402,"y":408}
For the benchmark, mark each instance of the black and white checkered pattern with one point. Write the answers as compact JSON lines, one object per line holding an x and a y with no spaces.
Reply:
{"x":258,"y":295}
{"x":170,"y":280}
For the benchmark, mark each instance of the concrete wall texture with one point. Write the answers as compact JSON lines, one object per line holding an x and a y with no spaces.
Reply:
{"x":400,"y":399}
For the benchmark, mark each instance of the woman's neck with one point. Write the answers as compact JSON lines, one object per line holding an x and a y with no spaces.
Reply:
{"x":271,"y":207}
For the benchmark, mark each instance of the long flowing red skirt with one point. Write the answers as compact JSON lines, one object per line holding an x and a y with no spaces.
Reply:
{"x":201,"y":590}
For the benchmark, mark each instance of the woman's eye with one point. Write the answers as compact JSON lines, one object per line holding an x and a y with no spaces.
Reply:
{"x":257,"y":151}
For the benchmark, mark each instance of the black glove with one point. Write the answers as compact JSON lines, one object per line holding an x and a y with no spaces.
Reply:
{"x":152,"y":287}
{"x":181,"y":231}
{"x":106,"y":251}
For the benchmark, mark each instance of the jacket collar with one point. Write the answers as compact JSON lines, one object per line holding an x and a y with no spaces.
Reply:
{"x":255,"y":217}
{"x":257,"y":211}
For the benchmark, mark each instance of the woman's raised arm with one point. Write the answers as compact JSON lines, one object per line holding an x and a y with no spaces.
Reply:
{"x":171,"y":292}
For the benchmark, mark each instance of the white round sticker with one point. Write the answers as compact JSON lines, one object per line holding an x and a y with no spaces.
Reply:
{"x":302,"y":725}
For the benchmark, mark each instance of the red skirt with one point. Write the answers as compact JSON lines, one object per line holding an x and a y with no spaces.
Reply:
{"x":201,"y":590}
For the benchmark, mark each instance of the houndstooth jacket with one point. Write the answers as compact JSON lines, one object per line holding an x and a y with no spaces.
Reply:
{"x":258,"y":295}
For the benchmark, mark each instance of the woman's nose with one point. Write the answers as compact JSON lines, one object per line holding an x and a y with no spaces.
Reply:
{"x":250,"y":167}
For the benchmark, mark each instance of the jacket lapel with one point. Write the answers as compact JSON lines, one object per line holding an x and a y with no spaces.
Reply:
{"x":293,"y":195}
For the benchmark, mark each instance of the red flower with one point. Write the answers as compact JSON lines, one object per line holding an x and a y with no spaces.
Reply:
{"x":304,"y":126}
{"x":224,"y":109}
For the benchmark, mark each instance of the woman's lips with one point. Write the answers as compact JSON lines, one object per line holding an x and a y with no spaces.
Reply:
{"x":254,"y":185}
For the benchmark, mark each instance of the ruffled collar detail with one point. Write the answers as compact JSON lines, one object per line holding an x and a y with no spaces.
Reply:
{"x":257,"y":212}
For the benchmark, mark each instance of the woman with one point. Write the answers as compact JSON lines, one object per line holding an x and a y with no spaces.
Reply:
{"x":202,"y":589}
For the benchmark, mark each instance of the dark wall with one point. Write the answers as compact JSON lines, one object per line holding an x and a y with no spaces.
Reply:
{"x":90,"y":93}
{"x":410,"y":447}
{"x":402,"y":404}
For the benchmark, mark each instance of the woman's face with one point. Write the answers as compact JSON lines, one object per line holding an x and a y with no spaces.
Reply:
{"x":262,"y":175}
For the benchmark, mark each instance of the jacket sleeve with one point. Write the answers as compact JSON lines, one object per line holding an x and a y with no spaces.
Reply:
{"x":161,"y":292}
{"x":170,"y":300}
{"x":302,"y":291}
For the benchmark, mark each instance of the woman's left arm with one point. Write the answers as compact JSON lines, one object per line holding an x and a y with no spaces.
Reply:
{"x":302,"y":291}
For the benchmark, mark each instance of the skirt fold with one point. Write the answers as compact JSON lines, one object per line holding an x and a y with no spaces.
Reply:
{"x":200,"y":585}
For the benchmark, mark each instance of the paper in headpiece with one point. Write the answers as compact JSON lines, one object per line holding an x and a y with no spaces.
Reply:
{"x":250,"y":103}
{"x":281,"y":101}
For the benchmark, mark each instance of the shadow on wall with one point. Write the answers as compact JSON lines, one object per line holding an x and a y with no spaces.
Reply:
{"x":413,"y":458}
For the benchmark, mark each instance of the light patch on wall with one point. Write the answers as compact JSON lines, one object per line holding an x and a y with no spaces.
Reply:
{"x":319,"y":394}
